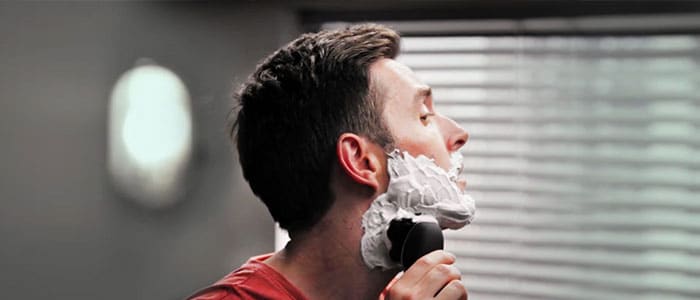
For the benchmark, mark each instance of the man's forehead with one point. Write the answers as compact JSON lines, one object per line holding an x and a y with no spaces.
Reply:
{"x":392,"y":67}
{"x":394,"y":77}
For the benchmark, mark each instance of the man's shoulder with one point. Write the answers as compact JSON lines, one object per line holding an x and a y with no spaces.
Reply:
{"x":214,"y":293}
{"x":253,"y":280}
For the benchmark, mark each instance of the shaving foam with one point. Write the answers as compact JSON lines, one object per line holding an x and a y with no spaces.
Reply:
{"x":419,"y":190}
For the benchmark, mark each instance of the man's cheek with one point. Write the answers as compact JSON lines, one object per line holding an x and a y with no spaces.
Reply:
{"x":417,"y":187}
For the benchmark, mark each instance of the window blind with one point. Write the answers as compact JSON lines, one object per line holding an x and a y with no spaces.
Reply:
{"x":584,"y":159}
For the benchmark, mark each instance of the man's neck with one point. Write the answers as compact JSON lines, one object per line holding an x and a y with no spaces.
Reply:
{"x":325,"y":262}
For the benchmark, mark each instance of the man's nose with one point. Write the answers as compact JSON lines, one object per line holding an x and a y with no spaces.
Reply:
{"x":454,"y":135}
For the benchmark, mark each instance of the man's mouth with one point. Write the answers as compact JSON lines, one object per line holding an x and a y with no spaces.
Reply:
{"x":461,"y":182}
{"x":456,"y":169}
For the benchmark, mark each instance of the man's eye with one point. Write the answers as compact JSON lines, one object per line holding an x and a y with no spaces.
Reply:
{"x":425,"y":118}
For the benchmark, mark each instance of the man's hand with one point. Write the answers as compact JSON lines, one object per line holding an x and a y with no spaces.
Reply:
{"x":433,"y":276}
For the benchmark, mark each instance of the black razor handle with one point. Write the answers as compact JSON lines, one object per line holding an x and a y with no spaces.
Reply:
{"x":410,"y":241}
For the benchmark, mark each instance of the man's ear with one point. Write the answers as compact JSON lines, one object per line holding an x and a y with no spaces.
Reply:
{"x":359,"y":159}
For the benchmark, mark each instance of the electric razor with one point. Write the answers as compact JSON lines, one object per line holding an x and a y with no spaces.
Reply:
{"x":411,"y":240}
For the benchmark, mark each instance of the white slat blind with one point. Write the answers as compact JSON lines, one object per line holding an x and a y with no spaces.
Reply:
{"x":584,"y":158}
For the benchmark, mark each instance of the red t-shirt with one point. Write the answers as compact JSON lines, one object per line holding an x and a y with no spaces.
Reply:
{"x":253,"y":280}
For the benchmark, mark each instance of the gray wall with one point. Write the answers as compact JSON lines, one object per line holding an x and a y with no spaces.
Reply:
{"x":65,"y":232}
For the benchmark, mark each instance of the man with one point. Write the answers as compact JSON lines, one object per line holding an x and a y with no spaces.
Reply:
{"x":317,"y":120}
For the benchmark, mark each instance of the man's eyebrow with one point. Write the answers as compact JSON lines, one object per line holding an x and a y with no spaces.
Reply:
{"x":423,"y":92}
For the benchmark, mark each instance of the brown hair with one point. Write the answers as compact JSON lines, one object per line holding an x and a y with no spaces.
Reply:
{"x":293,"y":109}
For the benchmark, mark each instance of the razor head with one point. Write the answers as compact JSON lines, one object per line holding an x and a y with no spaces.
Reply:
{"x":410,"y":241}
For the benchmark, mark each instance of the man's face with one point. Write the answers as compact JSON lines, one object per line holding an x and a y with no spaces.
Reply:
{"x":409,"y":113}
{"x":416,"y":185}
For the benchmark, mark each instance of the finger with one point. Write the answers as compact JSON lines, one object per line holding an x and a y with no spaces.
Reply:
{"x":452,"y":291}
{"x":424,"y":264}
{"x":437,"y":278}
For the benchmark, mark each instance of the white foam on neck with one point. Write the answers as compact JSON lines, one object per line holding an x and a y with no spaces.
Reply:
{"x":416,"y":186}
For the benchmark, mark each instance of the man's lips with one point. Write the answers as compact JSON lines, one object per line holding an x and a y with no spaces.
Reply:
{"x":461,"y":183}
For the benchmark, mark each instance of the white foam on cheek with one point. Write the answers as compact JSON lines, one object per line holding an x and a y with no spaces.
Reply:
{"x":416,"y":185}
